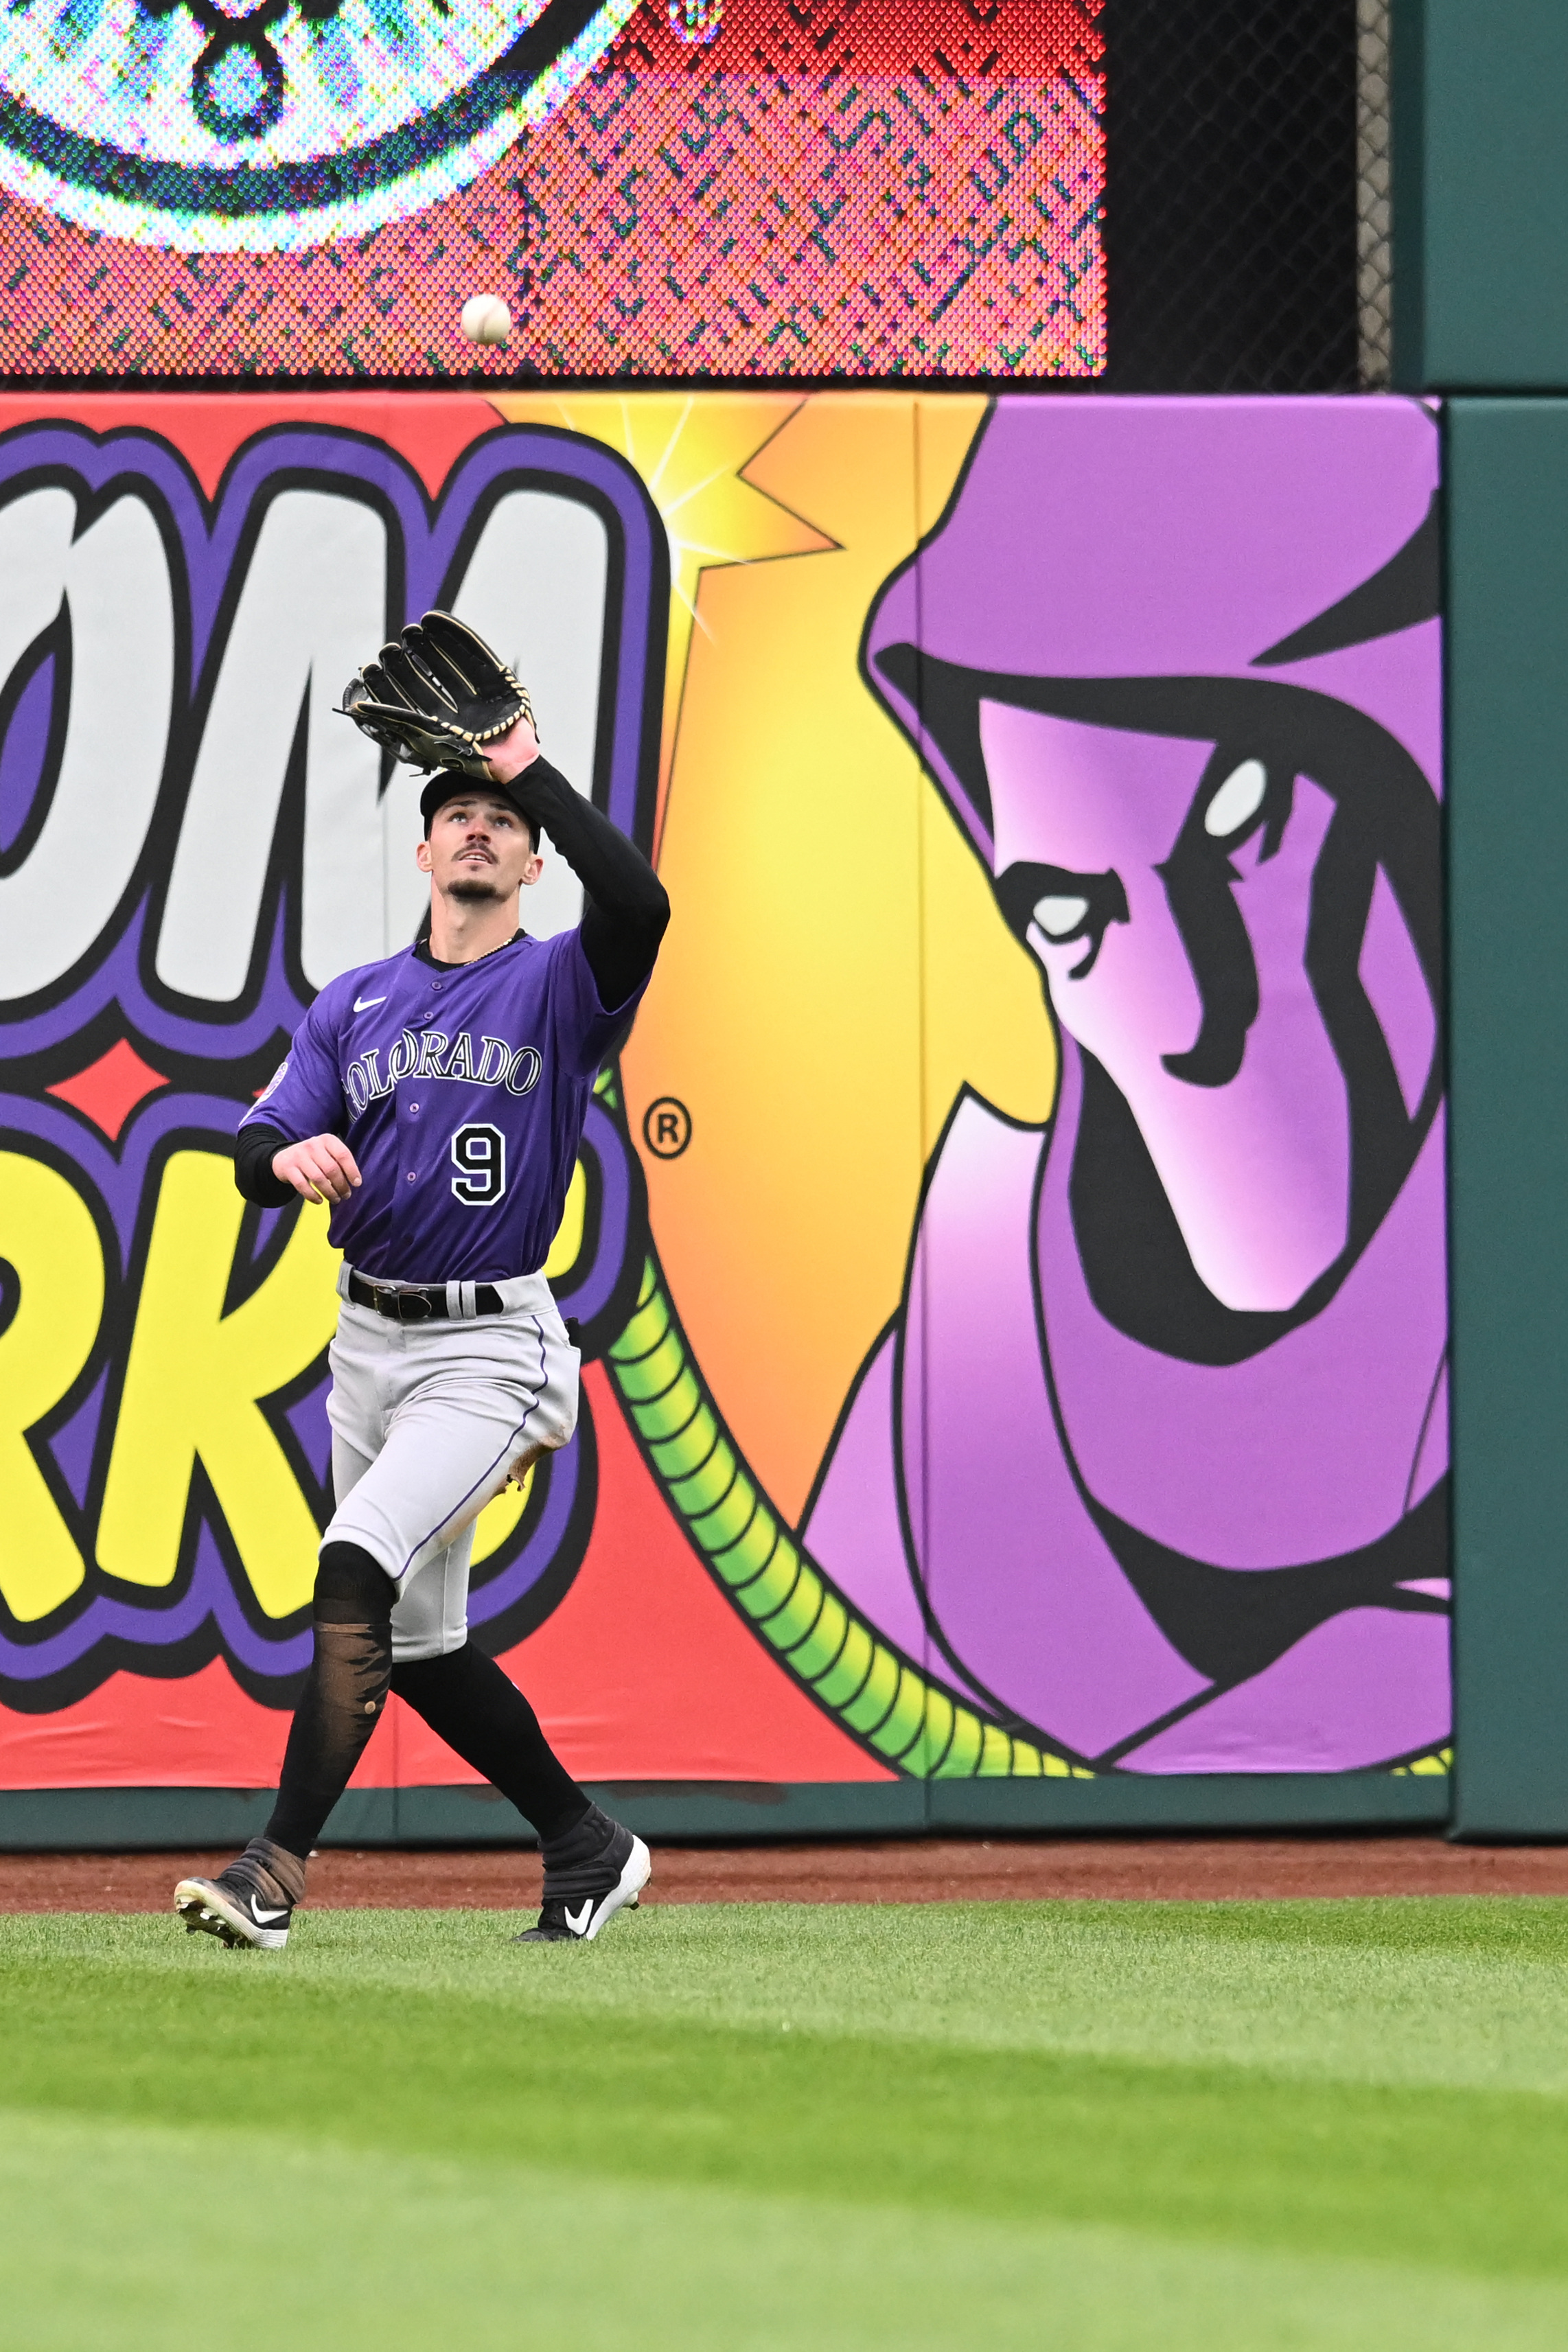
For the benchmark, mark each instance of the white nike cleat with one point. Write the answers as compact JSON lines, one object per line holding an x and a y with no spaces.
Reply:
{"x":249,"y":1905}
{"x":597,"y":1888}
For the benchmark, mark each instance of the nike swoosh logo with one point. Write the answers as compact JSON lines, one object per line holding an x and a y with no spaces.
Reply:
{"x":265,"y":1918}
{"x":363,"y":1003}
{"x":577,"y":1926}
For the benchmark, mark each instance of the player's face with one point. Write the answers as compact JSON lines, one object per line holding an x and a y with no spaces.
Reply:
{"x":1165,"y":887}
{"x":480,"y":849}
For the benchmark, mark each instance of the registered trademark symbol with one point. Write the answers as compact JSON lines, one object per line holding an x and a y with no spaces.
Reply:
{"x":667,"y":1128}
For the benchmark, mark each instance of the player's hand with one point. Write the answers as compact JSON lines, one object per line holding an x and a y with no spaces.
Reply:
{"x":511,"y":752}
{"x":321,"y":1169}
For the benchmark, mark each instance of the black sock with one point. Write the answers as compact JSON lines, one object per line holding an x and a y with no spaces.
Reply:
{"x":344,"y":1696}
{"x":471,"y":1703}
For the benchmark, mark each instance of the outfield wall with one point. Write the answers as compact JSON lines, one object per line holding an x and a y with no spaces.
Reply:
{"x":1009,"y":1250}
{"x":1480,"y":206}
{"x":1509,"y":596}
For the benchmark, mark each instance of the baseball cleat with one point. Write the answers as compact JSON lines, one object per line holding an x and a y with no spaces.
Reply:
{"x":599,"y":1886}
{"x":249,"y":1905}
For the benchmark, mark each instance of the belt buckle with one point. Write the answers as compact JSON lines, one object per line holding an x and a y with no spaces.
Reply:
{"x":399,"y":1305}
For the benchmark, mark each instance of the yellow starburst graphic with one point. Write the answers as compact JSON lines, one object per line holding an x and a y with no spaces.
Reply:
{"x":692,"y":450}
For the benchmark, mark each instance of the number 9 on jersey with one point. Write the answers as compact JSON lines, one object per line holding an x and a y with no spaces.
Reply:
{"x":479,"y":1154}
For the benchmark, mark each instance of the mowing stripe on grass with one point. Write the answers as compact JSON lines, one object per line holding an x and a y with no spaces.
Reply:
{"x":1458,"y":1994}
{"x":112,"y":2230}
{"x":497,"y":2055}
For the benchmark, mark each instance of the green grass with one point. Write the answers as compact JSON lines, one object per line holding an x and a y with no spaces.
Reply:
{"x":1094,"y":2126}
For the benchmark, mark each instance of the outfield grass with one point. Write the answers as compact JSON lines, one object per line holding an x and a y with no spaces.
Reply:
{"x":795,"y":2127}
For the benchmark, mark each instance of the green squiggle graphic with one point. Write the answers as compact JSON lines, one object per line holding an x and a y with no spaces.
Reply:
{"x":889,"y":1703}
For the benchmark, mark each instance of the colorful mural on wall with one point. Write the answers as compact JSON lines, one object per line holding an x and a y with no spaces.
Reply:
{"x":1165,"y":1410}
{"x":1007,"y":1251}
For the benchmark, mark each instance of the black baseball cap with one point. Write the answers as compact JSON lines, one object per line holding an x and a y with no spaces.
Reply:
{"x":451,"y":785}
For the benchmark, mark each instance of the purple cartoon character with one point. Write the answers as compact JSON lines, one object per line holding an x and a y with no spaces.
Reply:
{"x":1152,"y":1458}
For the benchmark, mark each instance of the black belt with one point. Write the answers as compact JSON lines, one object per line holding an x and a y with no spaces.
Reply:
{"x":418,"y":1303}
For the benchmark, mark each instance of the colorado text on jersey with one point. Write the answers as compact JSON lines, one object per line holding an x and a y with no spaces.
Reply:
{"x":495,"y":1064}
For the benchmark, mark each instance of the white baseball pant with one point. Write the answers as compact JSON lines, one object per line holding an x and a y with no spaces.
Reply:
{"x":429,"y":1420}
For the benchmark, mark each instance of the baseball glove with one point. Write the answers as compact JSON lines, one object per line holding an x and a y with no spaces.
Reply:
{"x":436,"y":696}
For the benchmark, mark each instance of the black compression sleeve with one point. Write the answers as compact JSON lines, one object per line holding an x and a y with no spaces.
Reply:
{"x":627,"y":911}
{"x":476,"y":1707}
{"x":253,"y":1152}
{"x":344,"y":1696}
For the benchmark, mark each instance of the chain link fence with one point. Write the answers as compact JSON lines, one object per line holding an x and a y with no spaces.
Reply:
{"x":1248,"y":195}
{"x":1374,"y":257}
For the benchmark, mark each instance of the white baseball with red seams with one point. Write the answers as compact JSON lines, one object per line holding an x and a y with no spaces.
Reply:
{"x":485,"y":319}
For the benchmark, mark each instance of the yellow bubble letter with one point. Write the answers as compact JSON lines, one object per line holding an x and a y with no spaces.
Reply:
{"x":193,"y":1388}
{"x":48,"y":1239}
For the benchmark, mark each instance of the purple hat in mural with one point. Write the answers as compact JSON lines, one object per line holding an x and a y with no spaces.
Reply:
{"x":1262,"y":539}
{"x":1166,"y":1417}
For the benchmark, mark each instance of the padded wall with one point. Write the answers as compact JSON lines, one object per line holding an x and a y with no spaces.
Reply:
{"x":1009,"y":1250}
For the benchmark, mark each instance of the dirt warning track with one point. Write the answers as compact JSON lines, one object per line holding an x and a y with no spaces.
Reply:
{"x":881,"y":1869}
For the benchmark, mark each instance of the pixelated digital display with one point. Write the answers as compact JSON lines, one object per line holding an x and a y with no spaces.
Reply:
{"x":741,"y":188}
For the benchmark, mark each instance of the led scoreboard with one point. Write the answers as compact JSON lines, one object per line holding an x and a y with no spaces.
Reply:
{"x":743,"y":188}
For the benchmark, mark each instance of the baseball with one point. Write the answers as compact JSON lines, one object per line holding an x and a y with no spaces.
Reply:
{"x":485,"y":319}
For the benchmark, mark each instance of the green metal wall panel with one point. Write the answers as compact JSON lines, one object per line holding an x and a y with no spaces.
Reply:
{"x":1480,"y":192}
{"x":108,"y":1821}
{"x":1508,"y":653}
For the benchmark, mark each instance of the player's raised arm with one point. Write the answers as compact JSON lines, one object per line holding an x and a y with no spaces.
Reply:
{"x":627,"y":909}
{"x":439,"y":697}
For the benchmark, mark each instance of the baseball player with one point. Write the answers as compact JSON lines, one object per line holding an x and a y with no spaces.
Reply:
{"x":436,"y":1101}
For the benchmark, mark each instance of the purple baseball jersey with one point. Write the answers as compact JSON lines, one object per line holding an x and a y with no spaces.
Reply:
{"x":461,"y":1091}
